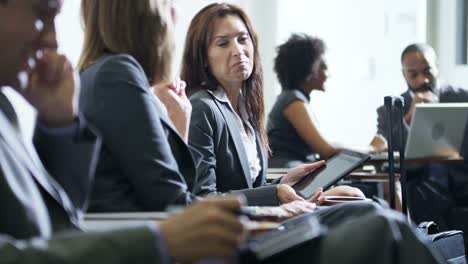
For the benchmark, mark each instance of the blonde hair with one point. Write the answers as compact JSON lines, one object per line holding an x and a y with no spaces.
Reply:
{"x":138,"y":28}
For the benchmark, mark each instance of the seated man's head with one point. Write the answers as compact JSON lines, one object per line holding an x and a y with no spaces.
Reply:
{"x":26,"y":29}
{"x":419,"y":67}
{"x":299,"y":63}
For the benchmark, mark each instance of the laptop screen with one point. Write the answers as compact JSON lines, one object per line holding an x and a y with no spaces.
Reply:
{"x":437,"y":130}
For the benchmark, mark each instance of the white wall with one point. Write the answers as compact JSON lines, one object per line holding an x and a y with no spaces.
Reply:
{"x":364,"y":38}
{"x":445,"y":44}
{"x":69,"y":30}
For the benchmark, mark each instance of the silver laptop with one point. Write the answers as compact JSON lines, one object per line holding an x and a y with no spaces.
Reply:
{"x":437,"y":130}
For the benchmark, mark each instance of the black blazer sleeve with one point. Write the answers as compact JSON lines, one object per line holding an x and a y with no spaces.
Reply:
{"x":122,"y":107}
{"x":70,"y":158}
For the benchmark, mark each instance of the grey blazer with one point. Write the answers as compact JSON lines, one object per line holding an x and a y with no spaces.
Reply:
{"x":215,"y":134}
{"x":39,"y":221}
{"x":143,"y":159}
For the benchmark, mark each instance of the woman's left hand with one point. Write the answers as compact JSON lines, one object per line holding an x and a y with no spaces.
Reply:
{"x":298,"y":207}
{"x":177,"y":104}
{"x":296,"y":174}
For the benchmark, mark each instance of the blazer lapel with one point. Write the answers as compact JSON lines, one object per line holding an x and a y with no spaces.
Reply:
{"x":168,"y":123}
{"x":235,"y":134}
{"x":33,"y":164}
{"x":164,"y":117}
{"x":11,"y":136}
{"x":263,"y":161}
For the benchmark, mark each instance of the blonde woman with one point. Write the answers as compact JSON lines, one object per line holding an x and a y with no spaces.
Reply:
{"x":126,"y":57}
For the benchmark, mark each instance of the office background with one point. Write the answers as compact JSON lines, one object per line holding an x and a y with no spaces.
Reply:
{"x":364,"y":39}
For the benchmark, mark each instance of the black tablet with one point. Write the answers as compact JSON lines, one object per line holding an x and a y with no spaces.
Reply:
{"x":334,"y":170}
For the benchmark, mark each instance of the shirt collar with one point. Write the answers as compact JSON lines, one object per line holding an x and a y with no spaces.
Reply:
{"x":220,"y":95}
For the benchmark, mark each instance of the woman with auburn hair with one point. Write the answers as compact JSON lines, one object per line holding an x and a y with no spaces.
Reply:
{"x":221,"y":64}
{"x":126,"y":57}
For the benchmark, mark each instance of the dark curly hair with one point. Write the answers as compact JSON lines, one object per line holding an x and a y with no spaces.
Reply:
{"x":295,"y":59}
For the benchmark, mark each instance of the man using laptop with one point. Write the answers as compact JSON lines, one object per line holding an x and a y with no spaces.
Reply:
{"x":432,"y":188}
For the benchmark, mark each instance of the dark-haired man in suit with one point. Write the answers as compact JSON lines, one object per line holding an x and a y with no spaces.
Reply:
{"x":433,"y":188}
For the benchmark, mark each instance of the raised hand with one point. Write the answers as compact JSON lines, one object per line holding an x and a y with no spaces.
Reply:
{"x":178,"y":106}
{"x":419,"y":98}
{"x":53,"y":89}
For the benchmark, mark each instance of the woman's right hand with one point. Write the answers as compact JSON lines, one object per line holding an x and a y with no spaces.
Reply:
{"x":378,"y":144}
{"x":287,"y":194}
{"x":177,"y":104}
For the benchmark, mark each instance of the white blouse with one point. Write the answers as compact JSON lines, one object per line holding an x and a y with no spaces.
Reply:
{"x":248,"y":136}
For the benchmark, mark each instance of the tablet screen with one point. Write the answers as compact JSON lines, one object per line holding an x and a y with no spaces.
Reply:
{"x":334,"y":170}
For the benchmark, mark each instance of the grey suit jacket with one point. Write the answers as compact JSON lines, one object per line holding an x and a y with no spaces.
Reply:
{"x":143,"y":159}
{"x":39,"y":223}
{"x":215,"y":134}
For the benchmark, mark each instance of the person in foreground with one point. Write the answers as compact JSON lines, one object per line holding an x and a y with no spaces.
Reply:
{"x":294,"y":137}
{"x":40,"y":223}
{"x":433,"y":188}
{"x":221,"y":65}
